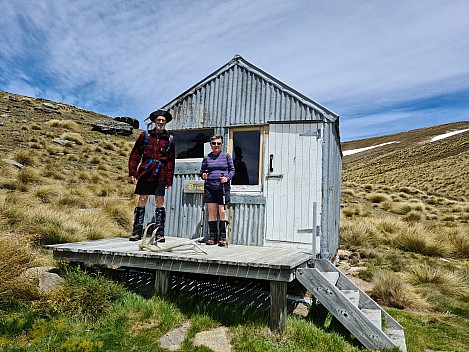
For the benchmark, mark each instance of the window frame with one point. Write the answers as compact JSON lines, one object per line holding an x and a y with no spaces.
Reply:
{"x":262,"y":137}
{"x":196,"y":130}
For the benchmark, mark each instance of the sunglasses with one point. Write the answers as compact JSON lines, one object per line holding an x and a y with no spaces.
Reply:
{"x":216,"y":143}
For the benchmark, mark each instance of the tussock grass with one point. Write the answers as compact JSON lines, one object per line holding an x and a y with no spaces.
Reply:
{"x":27,"y":158}
{"x":417,"y":239}
{"x":459,"y":241}
{"x":74,"y":137}
{"x":108,"y":145}
{"x":412,"y":217}
{"x":400,"y":208}
{"x":72,"y":201}
{"x":390,"y":290}
{"x":352,"y":210}
{"x":46,"y":194}
{"x":12,"y":211}
{"x":435,"y":276}
{"x":379,"y":197}
{"x":388,"y":225}
{"x":17,"y":256}
{"x":6,"y":170}
{"x":119,"y":214}
{"x":29,"y":175}
{"x":54,"y":149}
{"x":358,"y":234}
{"x":65,"y":124}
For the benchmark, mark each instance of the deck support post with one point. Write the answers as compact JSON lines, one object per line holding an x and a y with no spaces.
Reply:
{"x":162,"y":280}
{"x":278,"y":306}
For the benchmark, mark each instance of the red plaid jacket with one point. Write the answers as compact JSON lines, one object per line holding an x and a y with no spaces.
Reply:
{"x":153,"y":162}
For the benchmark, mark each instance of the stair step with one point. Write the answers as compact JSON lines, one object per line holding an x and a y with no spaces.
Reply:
{"x":332,"y":276}
{"x":352,"y":295}
{"x":398,"y":338}
{"x":343,"y":298}
{"x":374,"y":315}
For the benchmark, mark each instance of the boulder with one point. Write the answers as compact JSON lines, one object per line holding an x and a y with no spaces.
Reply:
{"x":14,"y":163}
{"x":113,"y":127}
{"x":50,"y":106}
{"x":130,"y":120}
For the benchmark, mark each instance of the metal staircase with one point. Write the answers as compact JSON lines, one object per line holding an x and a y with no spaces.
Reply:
{"x":362,"y":316}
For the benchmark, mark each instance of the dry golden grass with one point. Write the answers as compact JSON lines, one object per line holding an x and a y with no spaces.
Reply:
{"x":447,"y":282}
{"x":390,"y":290}
{"x":420,"y":240}
{"x":74,"y":137}
{"x":414,"y":164}
{"x":379,"y":197}
{"x":17,"y":256}
{"x":29,"y":175}
{"x":65,"y":124}
{"x":27,"y":158}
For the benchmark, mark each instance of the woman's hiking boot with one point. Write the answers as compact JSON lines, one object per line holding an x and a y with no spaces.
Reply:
{"x":222,"y":237}
{"x":212,"y":234}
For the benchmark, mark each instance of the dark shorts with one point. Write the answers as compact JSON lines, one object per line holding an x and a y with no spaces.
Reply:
{"x":216,"y":196}
{"x":145,"y":188}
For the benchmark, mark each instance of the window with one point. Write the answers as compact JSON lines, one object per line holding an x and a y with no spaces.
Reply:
{"x":246,"y":150}
{"x":192,"y":143}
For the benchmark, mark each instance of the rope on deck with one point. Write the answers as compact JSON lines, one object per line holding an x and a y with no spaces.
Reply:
{"x":150,"y":243}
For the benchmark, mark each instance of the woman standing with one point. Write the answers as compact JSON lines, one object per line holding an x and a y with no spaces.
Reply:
{"x":217,"y":169}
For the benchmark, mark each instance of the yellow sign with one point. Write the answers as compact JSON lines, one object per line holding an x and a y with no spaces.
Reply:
{"x":195,"y":186}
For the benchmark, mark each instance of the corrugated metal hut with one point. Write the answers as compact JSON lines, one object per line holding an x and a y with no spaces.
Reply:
{"x":290,"y":146}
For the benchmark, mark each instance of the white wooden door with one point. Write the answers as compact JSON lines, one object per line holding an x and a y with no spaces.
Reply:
{"x":293,"y":174}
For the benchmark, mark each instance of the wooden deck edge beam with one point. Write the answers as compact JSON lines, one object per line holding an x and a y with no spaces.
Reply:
{"x":250,"y":272}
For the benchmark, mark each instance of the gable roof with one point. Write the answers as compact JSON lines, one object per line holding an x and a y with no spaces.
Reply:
{"x":269,"y":99}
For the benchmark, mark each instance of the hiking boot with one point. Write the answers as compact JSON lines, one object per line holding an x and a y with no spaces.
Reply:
{"x":212,"y":233}
{"x":137,"y":230}
{"x":160,"y":219}
{"x":222,"y":237}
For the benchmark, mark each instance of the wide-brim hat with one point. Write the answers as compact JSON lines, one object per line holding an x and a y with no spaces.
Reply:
{"x":167,"y":115}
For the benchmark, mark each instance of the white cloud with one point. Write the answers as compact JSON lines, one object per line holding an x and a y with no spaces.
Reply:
{"x":127,"y":58}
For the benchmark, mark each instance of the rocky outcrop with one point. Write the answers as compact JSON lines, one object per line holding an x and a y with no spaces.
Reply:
{"x":130,"y":120}
{"x":113,"y":127}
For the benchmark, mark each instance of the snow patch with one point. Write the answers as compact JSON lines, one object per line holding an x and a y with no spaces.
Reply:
{"x":446,"y":135}
{"x":354,"y":151}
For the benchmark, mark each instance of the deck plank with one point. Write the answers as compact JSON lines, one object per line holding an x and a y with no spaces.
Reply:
{"x":269,"y":263}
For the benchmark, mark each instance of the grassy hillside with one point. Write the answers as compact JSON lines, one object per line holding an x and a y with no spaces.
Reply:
{"x":404,"y":233}
{"x":440,"y":168}
{"x":72,"y":191}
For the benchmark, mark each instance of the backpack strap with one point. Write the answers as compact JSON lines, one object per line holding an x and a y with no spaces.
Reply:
{"x":147,"y":137}
{"x":171,"y":137}
{"x":226,"y":157}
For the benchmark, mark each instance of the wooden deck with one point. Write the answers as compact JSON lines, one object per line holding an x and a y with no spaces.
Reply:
{"x":275,"y":264}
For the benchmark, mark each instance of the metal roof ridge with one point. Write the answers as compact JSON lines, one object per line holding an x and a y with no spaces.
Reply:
{"x":238,"y":60}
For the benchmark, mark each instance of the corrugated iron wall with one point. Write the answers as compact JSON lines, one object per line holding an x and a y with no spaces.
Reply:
{"x":238,"y":97}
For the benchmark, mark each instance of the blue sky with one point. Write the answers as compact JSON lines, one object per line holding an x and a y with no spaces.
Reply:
{"x":383,"y":66}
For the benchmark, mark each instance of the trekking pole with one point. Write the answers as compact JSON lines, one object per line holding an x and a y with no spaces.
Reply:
{"x":201,"y":238}
{"x":226,"y":215}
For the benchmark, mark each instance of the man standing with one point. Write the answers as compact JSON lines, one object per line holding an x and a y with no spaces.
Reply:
{"x":151,"y":164}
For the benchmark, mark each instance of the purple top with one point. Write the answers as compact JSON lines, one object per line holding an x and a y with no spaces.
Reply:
{"x":217,"y":166}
